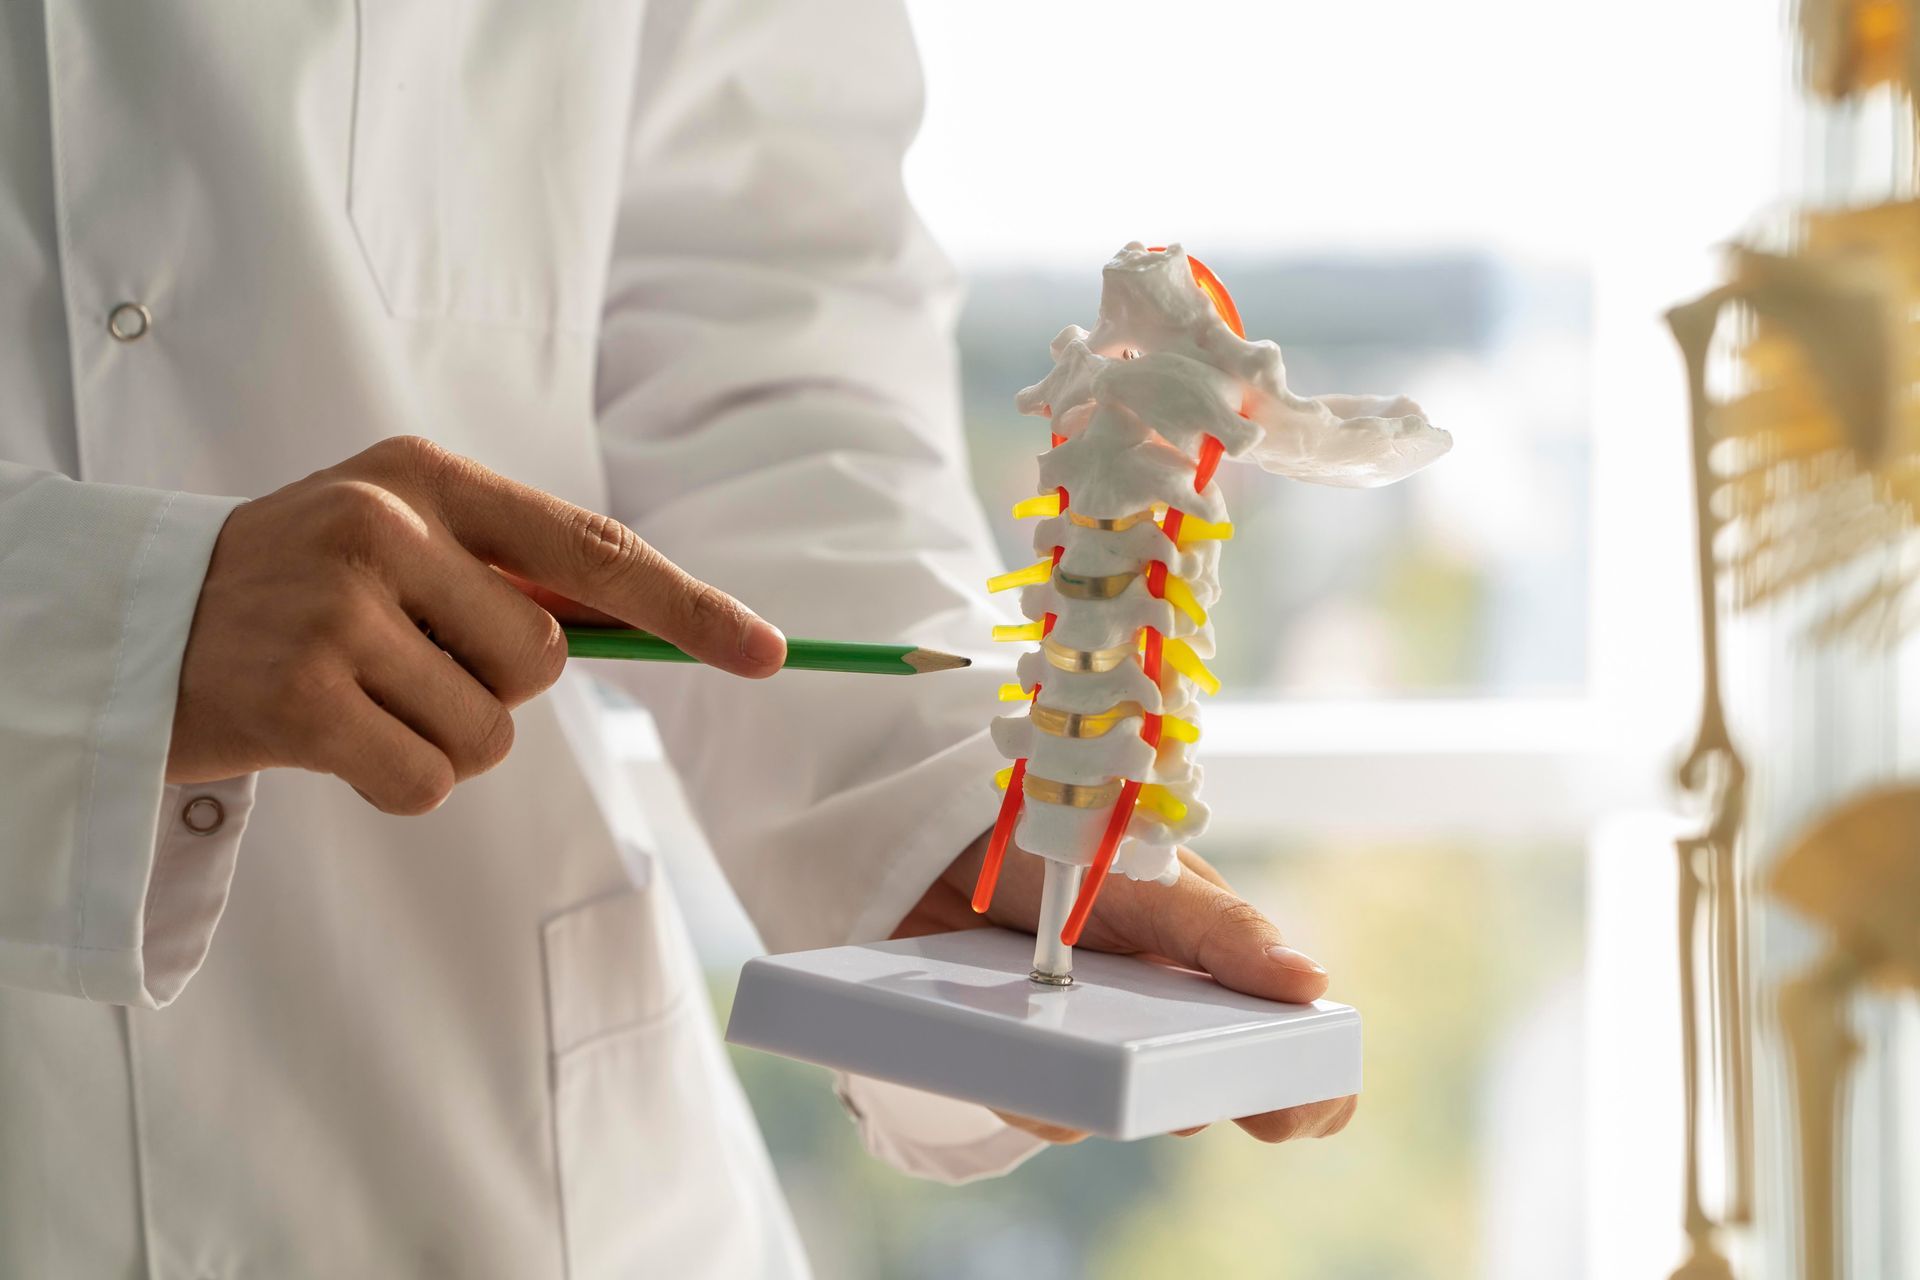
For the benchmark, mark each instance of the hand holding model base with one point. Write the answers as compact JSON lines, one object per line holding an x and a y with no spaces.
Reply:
{"x":947,"y":1007}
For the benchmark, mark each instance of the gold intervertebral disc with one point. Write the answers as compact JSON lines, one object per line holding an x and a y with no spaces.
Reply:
{"x":1075,"y":795}
{"x":1110,"y":524}
{"x":1082,"y":724}
{"x":1095,"y":660}
{"x":1076,"y":586}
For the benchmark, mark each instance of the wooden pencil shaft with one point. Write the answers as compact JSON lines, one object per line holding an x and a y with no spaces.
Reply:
{"x":804,"y":655}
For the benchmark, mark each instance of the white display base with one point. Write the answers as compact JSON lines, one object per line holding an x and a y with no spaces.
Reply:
{"x":1131,"y":1049}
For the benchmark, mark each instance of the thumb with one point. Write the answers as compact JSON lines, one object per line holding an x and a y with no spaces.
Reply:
{"x":1202,"y":925}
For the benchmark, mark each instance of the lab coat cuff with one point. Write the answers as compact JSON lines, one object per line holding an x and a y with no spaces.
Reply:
{"x":153,"y":889}
{"x":187,"y":890}
{"x":928,"y":1136}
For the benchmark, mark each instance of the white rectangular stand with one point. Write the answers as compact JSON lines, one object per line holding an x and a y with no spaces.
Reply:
{"x":1131,"y":1049}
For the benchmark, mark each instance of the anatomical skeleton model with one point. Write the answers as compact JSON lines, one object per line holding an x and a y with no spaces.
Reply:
{"x":1856,"y":872}
{"x":1808,"y":476}
{"x":1142,"y":412}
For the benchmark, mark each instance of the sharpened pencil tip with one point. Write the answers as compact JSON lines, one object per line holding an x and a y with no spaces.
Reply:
{"x":925,"y":660}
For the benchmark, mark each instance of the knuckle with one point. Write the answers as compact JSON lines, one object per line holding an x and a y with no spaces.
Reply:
{"x":312,"y":688}
{"x":407,"y":453}
{"x":533,"y":669}
{"x":1225,"y":922}
{"x":347,"y":617}
{"x":1281,"y":1127}
{"x":413,"y":461}
{"x":548,"y":658}
{"x":1232,"y":915}
{"x":706,"y":609}
{"x":356,"y":500}
{"x":1286,"y":1131}
{"x":493,"y":739}
{"x":362,"y":516}
{"x":605,"y":544}
{"x":389,"y":801}
{"x":420,"y":786}
{"x":1341,"y":1118}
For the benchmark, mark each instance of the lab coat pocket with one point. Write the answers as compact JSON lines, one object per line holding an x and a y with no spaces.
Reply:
{"x":486,"y":155}
{"x":642,"y":1131}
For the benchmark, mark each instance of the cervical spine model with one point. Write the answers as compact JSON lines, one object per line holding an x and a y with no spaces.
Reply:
{"x":1143,"y":410}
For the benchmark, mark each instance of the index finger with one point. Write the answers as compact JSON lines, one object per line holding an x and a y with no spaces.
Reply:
{"x":596,"y":560}
{"x":1199,"y":925}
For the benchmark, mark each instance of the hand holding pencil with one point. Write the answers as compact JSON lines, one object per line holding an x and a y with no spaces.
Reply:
{"x":321,"y":635}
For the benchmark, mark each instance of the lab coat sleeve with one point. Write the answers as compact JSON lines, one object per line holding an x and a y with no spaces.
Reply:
{"x":105,"y":893}
{"x":778,"y":402}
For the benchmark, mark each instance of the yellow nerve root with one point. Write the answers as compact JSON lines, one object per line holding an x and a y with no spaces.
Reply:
{"x":1013,"y":693}
{"x":1192,"y":530}
{"x":1003,"y":778}
{"x":1047,"y":504}
{"x":1181,"y":657}
{"x":1180,"y":596}
{"x":1024,"y":631}
{"x":1159,"y":800}
{"x":1034,"y":574}
{"x":1176,"y":728}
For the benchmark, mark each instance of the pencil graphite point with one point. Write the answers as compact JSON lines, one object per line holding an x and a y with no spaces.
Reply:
{"x":925,"y":660}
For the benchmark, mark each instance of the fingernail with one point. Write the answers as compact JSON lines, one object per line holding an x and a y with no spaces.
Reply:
{"x":762,"y":643}
{"x":1288,"y":958}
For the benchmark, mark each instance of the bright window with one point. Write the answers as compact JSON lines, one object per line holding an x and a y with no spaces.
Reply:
{"x":1392,"y":253}
{"x":1438,"y":585}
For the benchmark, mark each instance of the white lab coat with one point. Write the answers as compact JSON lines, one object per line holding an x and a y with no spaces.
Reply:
{"x":652,"y":255}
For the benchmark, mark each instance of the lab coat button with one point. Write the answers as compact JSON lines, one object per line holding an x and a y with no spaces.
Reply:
{"x":203,"y":815}
{"x":129,"y":322}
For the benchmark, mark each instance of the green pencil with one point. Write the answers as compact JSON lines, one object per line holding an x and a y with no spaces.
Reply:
{"x":805,"y":655}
